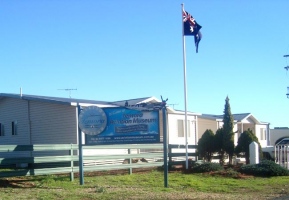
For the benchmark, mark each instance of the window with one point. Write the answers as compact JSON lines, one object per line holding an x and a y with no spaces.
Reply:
{"x":1,"y":129}
{"x":14,"y":127}
{"x":263,"y":133}
{"x":181,"y":128}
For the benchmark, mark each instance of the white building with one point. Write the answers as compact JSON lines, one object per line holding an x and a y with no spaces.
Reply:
{"x":31,"y":119}
{"x":242,"y":122}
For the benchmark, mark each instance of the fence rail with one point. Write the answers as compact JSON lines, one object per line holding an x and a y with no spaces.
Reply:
{"x":67,"y":160}
{"x":177,"y":154}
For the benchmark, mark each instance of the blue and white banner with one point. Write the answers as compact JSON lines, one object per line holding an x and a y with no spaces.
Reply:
{"x":127,"y":126}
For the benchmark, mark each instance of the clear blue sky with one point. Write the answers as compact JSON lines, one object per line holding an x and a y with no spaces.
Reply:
{"x":114,"y":50}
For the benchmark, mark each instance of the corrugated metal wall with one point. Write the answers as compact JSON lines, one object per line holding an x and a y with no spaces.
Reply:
{"x":53,"y":123}
{"x":12,"y":109}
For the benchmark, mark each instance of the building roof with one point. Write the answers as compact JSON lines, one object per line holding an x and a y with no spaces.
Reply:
{"x":58,"y":100}
{"x":74,"y":102}
{"x":212,"y":117}
{"x":240,"y":117}
{"x":85,"y":102}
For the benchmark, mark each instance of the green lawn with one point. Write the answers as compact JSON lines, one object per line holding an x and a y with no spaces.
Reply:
{"x":144,"y":185}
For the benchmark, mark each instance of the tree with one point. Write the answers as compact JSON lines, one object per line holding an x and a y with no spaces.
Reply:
{"x":219,"y":145}
{"x":244,"y":141}
{"x":228,"y":134}
{"x":206,"y":145}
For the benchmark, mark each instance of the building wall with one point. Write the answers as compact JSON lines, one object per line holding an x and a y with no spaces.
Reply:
{"x":236,"y":134}
{"x":53,"y":123}
{"x":204,"y":124}
{"x":275,"y":134}
{"x":16,"y":110}
{"x":239,"y":128}
{"x":261,"y":135}
{"x":174,"y":121}
{"x":260,"y":131}
{"x":37,"y":123}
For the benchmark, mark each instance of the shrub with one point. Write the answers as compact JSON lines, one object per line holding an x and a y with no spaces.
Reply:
{"x":207,"y":167}
{"x":227,"y":173}
{"x":206,"y":145}
{"x":195,"y":164}
{"x":244,"y":141}
{"x":264,"y":168}
{"x":230,"y":172}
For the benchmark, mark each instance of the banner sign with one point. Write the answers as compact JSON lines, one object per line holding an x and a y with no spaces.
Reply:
{"x":127,"y":126}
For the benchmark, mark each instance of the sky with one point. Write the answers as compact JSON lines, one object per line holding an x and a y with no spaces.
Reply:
{"x":112,"y":50}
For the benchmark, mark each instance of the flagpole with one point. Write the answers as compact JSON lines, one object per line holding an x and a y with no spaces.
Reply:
{"x":185,"y":91}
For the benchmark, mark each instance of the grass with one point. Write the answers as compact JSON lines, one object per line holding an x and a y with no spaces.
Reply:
{"x":144,"y":185}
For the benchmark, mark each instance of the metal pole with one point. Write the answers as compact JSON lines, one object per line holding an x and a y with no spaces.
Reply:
{"x":80,"y":152}
{"x":185,"y":91}
{"x":165,"y":146}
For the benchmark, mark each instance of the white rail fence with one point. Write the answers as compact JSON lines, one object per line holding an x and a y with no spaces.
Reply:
{"x":282,"y":155}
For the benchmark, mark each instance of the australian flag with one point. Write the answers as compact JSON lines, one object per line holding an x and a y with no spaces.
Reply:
{"x":191,"y":27}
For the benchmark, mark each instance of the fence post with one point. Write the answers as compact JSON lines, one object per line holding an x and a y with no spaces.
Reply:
{"x":170,"y":157}
{"x":129,"y":162}
{"x":71,"y":164}
{"x":287,"y":157}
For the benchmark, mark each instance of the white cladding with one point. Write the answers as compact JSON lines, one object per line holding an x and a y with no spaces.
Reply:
{"x":14,"y":110}
{"x":173,"y":129}
{"x":53,"y":123}
{"x":37,"y":122}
